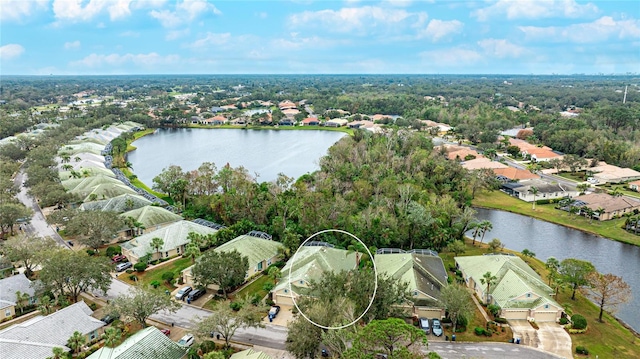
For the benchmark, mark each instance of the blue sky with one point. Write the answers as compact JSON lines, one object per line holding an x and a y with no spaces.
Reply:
{"x":65,"y":37}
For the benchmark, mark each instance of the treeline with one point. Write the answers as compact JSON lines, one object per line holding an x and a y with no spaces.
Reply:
{"x":390,"y":190}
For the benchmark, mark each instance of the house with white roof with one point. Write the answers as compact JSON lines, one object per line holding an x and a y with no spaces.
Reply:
{"x":146,"y":343}
{"x":9,"y":287}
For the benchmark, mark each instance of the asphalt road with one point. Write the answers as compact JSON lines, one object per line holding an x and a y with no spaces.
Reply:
{"x":38,"y":226}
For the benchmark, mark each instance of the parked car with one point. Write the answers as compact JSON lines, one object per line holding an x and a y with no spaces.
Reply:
{"x":182,"y":293}
{"x":273,"y":312}
{"x":436,"y":327}
{"x":187,"y":340}
{"x":195,"y":294}
{"x":166,"y":332}
{"x":109,"y":318}
{"x":123,"y":266}
{"x":119,"y":258}
{"x":424,"y":325}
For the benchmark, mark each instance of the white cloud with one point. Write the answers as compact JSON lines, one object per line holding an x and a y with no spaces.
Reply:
{"x":501,"y":48}
{"x":72,"y":45}
{"x":602,"y":29}
{"x":457,"y":56}
{"x":10,"y":51}
{"x":185,"y":11}
{"x":398,"y":3}
{"x":297,"y":43}
{"x":17,"y":10}
{"x":79,"y":10}
{"x":176,"y":34}
{"x":535,"y":9}
{"x":211,"y":39}
{"x":150,"y":59}
{"x":437,"y":30}
{"x":351,"y":19}
{"x":130,"y":34}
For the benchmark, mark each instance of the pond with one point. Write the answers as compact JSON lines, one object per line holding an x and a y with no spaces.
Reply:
{"x":546,"y":239}
{"x":262,"y":152}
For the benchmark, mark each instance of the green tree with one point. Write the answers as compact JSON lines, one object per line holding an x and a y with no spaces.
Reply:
{"x":157,"y":243}
{"x":29,"y":252}
{"x":76,"y":341}
{"x":527,"y":253}
{"x":489,"y":280}
{"x":58,"y":353}
{"x":111,"y":337}
{"x":66,"y":272}
{"x":495,"y":245}
{"x":485,"y":226}
{"x":22,"y":299}
{"x":226,"y":321}
{"x":192,"y":251}
{"x":574,"y":272}
{"x":225,"y":269}
{"x":534,"y":192}
{"x":392,"y":337}
{"x":303,"y":337}
{"x":274,"y":273}
{"x":46,"y":305}
{"x":553,"y":265}
{"x":582,"y":187}
{"x":456,"y":301}
{"x":170,"y":180}
{"x":457,"y":248}
{"x":10,"y":213}
{"x":142,"y":302}
{"x":96,"y":228}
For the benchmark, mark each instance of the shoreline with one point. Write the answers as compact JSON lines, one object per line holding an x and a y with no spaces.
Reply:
{"x":348,"y":131}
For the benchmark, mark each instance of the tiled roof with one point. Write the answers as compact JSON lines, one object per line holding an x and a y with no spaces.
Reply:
{"x":173,"y":235}
{"x":482,"y":162}
{"x":256,"y":249}
{"x":20,"y":349}
{"x":250,"y":354}
{"x":151,"y":216}
{"x":51,"y":330}
{"x":515,"y":173}
{"x":117,"y":204}
{"x":10,"y":285}
{"x":608,"y":202}
{"x":424,"y":273}
{"x":149,"y":343}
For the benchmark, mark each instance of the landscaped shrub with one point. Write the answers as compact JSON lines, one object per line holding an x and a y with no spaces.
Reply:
{"x":113,"y":250}
{"x":168,"y":277}
{"x":140,"y":267}
{"x":493,"y":309}
{"x":93,"y":306}
{"x":269,"y":302}
{"x":235,"y":306}
{"x":578,"y":322}
{"x":582,"y":350}
{"x":255,"y":300}
{"x":500,"y":320}
{"x":433,"y":355}
{"x":91,"y":252}
{"x":268,"y":286}
{"x":479,"y":331}
{"x":564,"y":321}
{"x":155,"y":283}
{"x":488,"y":332}
{"x":129,"y":271}
{"x":133,"y":277}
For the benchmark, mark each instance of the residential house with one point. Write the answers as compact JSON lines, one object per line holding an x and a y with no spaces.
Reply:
{"x":250,"y":354}
{"x":604,"y":172}
{"x":229,"y":107}
{"x":151,"y":217}
{"x":120,"y":204}
{"x":518,"y":290}
{"x":36,"y":337}
{"x":380,"y":118}
{"x":286,"y":122}
{"x":146,"y":343}
{"x":258,"y":247}
{"x":481,"y":163}
{"x":612,"y":206}
{"x":287,"y":105}
{"x":309,"y":263}
{"x":336,"y":122}
{"x":361,"y":124}
{"x":543,"y":154}
{"x":545,"y":190}
{"x":291,"y":112}
{"x":9,"y":287}
{"x":423,"y":270}
{"x":310,"y":121}
{"x":506,"y":174}
{"x":174,"y":237}
{"x":634,"y":186}
{"x":462,"y":153}
{"x":443,"y":128}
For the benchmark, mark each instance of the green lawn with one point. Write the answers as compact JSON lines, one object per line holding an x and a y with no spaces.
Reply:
{"x":149,"y":276}
{"x":607,"y":340}
{"x":136,"y":182}
{"x":610,"y":229}
{"x":253,"y":288}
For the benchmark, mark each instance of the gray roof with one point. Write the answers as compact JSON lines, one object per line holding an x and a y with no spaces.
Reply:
{"x":147,"y":343}
{"x":20,"y":349}
{"x":10,"y":285}
{"x":173,"y":236}
{"x":542,"y":186}
{"x":51,"y":330}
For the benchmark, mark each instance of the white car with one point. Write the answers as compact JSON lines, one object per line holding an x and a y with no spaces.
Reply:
{"x":186,"y":340}
{"x":592,"y":180}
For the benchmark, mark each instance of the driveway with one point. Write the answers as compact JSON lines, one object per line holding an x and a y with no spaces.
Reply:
{"x":551,"y":337}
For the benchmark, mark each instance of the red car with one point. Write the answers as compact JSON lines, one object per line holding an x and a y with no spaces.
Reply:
{"x":166,"y":332}
{"x":119,"y":258}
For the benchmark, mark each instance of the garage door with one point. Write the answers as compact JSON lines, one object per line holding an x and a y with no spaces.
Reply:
{"x":515,"y":314}
{"x":283,"y":300}
{"x":545,"y":316}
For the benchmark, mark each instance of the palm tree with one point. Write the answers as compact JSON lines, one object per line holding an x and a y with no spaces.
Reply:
{"x":76,"y":341}
{"x":488,"y":279}
{"x":274,"y":273}
{"x":193,"y":251}
{"x":485,"y":226}
{"x":600,"y":211}
{"x":552,"y":265}
{"x":573,"y":210}
{"x":157,"y":243}
{"x":45,"y":305}
{"x":476,"y":231}
{"x":582,"y":187}
{"x":534,"y":191}
{"x":58,"y":353}
{"x":111,"y":337}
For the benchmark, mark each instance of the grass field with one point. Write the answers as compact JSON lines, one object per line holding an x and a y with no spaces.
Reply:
{"x":149,"y":276}
{"x":610,"y":229}
{"x":254,"y":288}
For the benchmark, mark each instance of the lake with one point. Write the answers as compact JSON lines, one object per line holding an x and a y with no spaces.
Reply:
{"x":262,"y":152}
{"x":546,"y":239}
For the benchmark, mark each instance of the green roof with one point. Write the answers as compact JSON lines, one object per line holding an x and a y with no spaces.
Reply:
{"x":88,"y":147}
{"x":422,"y":272}
{"x":86,"y":171}
{"x":173,"y":235}
{"x":256,"y":249}
{"x":118,"y":204}
{"x":147,"y":343}
{"x":514,"y":279}
{"x":310,"y":263}
{"x":151,"y":216}
{"x":250,"y":354}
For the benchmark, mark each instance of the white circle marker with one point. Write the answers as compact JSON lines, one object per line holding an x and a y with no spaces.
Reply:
{"x":375,"y":273}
